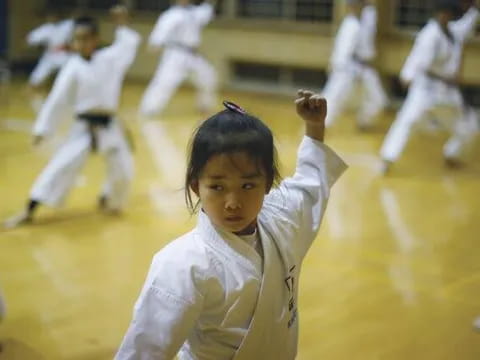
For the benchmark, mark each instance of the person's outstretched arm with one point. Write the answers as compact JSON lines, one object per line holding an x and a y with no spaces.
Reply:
{"x":302,"y":199}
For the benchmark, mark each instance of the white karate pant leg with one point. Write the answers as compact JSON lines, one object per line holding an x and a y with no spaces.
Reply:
{"x":171,"y":71}
{"x":119,"y":164}
{"x":205,"y":80}
{"x":375,"y":98}
{"x":57,"y":179}
{"x":413,"y":110}
{"x":337,"y":92}
{"x":465,"y":131}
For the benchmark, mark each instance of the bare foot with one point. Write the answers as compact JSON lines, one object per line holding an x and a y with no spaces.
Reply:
{"x":17,"y":220}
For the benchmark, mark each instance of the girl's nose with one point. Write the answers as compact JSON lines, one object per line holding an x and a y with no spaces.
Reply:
{"x":232,"y":202}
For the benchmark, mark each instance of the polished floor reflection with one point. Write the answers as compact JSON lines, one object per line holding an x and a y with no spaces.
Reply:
{"x":394,"y":273}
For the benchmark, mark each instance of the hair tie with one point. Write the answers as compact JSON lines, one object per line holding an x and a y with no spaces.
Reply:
{"x":234,"y":107}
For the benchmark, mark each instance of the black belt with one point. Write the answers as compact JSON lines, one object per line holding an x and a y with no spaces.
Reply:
{"x":95,"y":121}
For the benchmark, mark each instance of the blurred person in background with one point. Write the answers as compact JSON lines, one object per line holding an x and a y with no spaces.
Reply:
{"x":432,"y":73}
{"x":91,"y":83}
{"x":55,"y":36}
{"x":178,"y":32}
{"x":352,"y":67}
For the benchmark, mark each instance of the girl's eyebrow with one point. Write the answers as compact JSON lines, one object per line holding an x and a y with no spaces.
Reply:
{"x":246,"y":176}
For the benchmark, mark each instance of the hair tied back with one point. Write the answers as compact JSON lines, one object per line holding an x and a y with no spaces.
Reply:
{"x":234,"y":107}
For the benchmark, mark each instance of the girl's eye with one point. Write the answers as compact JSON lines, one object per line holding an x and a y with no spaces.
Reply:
{"x":216,"y":187}
{"x":248,"y":186}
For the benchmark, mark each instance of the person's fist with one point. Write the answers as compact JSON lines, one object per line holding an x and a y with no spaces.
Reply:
{"x":311,"y":107}
{"x":119,"y":14}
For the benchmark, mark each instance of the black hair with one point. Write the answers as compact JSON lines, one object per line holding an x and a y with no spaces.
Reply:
{"x":230,"y":132}
{"x":88,"y":22}
{"x":452,"y":6}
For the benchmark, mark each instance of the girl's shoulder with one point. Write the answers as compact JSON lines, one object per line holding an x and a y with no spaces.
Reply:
{"x":187,"y":253}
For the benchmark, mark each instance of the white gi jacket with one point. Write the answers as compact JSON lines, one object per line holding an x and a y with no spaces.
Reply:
{"x":92,"y":85}
{"x":181,"y":25}
{"x":206,"y":294}
{"x":355,"y":39}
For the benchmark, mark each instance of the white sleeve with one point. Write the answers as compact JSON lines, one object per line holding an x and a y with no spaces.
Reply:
{"x":464,"y":27}
{"x":164,"y":27}
{"x":58,"y":102}
{"x":40,"y":35}
{"x":421,"y":57}
{"x":124,"y":47}
{"x":204,"y":13}
{"x":165,"y":313}
{"x":369,"y":19}
{"x":302,"y":199}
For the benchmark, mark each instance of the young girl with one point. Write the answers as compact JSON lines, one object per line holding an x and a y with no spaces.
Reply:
{"x":228,"y":289}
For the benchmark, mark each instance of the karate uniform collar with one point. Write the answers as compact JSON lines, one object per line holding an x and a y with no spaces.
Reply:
{"x":228,"y":243}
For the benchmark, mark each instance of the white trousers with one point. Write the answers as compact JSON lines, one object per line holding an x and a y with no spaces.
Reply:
{"x":50,"y":62}
{"x":343,"y":84}
{"x":57,"y":179}
{"x":442,"y":103}
{"x":175,"y":66}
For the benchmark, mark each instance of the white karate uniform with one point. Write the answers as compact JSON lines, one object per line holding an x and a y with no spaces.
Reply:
{"x":55,"y":36}
{"x":90,"y":86}
{"x":354,"y":46}
{"x":209,"y":296}
{"x":427,"y":96}
{"x":178,"y":30}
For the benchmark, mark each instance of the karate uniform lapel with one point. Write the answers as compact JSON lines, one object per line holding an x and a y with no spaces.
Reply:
{"x":269,"y":328}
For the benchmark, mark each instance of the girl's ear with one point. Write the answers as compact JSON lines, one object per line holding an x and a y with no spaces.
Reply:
{"x":194,"y":187}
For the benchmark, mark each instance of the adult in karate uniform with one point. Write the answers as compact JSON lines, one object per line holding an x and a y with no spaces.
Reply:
{"x":229,"y":288}
{"x":55,"y":36}
{"x":178,"y":32}
{"x":431,"y":71}
{"x":91,"y":83}
{"x":352,"y":69}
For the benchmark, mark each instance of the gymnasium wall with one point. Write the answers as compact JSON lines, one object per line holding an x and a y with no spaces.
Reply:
{"x":268,"y":42}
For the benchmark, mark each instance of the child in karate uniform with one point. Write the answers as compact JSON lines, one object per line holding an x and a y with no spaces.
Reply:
{"x":91,"y":83}
{"x":178,"y":32}
{"x":228,"y":289}
{"x":352,"y":69}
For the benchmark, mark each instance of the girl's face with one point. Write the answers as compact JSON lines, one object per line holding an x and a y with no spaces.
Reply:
{"x":231,"y":189}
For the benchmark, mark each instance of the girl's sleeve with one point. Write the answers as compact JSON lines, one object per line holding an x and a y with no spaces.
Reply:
{"x":302,"y":199}
{"x":165,"y":313}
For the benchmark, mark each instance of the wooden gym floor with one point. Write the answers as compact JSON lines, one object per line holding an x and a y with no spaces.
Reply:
{"x":394,"y":273}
